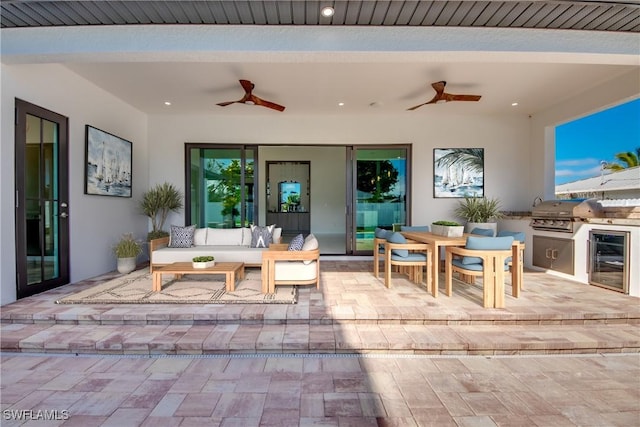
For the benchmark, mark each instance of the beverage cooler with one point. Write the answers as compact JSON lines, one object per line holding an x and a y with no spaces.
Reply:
{"x":609,"y":259}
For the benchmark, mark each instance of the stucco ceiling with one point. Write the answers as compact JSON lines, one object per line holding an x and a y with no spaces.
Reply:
{"x":364,"y":88}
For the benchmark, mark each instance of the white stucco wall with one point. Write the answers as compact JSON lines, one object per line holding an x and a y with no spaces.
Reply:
{"x":505,"y":141}
{"x":95,"y":221}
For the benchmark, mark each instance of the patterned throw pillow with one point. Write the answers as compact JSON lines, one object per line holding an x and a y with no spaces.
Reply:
{"x":181,"y":237}
{"x":261,"y":236}
{"x":296,"y":243}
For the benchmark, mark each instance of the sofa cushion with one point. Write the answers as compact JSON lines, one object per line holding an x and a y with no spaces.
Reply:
{"x":224,"y":236}
{"x":181,"y":237}
{"x":295,"y":270}
{"x":222,"y":253}
{"x":261,"y":237}
{"x":276,"y":236}
{"x":296,"y":243}
{"x":200,"y":237}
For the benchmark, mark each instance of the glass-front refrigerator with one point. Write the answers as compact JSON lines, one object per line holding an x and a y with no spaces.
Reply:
{"x":609,"y":259}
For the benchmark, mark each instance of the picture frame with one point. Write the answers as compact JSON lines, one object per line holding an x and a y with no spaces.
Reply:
{"x":108,"y":164}
{"x":458,"y":172}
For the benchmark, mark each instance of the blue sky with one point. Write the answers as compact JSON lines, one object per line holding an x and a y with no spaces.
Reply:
{"x":583,"y":144}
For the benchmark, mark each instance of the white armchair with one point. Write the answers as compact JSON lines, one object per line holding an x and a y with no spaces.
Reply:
{"x":284,"y":267}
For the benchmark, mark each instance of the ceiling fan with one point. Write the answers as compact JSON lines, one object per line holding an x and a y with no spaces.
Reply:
{"x":251,"y":99}
{"x":442,"y":96}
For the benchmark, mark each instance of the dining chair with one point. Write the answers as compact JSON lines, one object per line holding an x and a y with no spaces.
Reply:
{"x":482,"y":232}
{"x":414,"y":228}
{"x":516,"y":275}
{"x":379,"y":239}
{"x":481,"y":256}
{"x":411,"y":257}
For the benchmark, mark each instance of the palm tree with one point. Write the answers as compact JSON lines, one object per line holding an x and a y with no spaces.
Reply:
{"x":471,"y":159}
{"x":629,"y":158}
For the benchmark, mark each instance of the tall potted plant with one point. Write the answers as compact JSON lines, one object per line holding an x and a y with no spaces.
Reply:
{"x":157,"y":203}
{"x":479,"y":212}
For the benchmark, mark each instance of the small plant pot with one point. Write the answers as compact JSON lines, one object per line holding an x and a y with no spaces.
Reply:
{"x":126,"y":265}
{"x":447,"y":230}
{"x":206,"y":264}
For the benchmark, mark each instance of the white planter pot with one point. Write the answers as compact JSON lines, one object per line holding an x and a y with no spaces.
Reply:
{"x":447,"y":230}
{"x":126,"y":265}
{"x":490,"y":225}
{"x":203,"y":264}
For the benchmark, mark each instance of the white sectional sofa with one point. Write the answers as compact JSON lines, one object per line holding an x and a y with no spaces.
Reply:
{"x":225,"y":244}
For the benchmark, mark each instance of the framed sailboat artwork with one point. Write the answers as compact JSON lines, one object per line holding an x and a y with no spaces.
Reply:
{"x":458,"y":172}
{"x":108,"y":164}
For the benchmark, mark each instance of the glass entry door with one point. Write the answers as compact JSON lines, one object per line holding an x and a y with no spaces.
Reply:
{"x":380,"y":192}
{"x":42,"y":211}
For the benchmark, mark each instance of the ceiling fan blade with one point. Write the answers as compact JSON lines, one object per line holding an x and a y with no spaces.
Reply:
{"x":439,"y":86}
{"x":268,"y":104}
{"x":451,"y":97}
{"x":224,"y":104}
{"x":432,"y":101}
{"x":247,"y":85}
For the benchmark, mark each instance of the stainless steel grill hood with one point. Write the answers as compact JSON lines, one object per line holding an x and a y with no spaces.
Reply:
{"x":560,"y":215}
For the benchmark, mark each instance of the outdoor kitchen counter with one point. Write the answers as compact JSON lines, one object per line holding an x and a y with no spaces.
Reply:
{"x":633,"y":222}
{"x":516,"y":214}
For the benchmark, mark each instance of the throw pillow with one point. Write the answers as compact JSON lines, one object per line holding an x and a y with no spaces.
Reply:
{"x":261,"y":236}
{"x":181,"y":237}
{"x":396,"y":237}
{"x":296,"y":243}
{"x":310,"y":244}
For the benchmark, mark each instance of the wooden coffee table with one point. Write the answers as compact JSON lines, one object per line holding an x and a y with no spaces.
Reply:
{"x":231,"y":270}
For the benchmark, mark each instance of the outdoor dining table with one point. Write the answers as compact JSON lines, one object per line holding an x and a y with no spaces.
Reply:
{"x":436,"y":241}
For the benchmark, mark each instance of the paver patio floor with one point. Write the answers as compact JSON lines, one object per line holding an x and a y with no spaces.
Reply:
{"x":351,"y":353}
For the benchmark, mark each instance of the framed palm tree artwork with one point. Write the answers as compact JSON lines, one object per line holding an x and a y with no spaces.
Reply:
{"x":458,"y":172}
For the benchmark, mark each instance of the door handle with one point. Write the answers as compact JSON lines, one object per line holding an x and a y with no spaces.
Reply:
{"x":554,"y":254}
{"x":547,"y":253}
{"x":64,"y":215}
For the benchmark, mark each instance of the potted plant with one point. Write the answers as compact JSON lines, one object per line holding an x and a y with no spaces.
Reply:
{"x":479,"y":212}
{"x":157,"y":203}
{"x":203,"y":261}
{"x":447,"y":228}
{"x":127,"y":250}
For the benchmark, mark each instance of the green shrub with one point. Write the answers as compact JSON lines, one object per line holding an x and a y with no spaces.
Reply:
{"x":127,"y":247}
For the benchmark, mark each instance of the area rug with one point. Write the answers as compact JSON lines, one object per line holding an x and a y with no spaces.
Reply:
{"x":135,"y":288}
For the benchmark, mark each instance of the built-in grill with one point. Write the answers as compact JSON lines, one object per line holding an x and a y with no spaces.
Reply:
{"x":560,"y":215}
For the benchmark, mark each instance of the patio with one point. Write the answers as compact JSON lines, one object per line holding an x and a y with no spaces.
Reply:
{"x":352,"y":312}
{"x":563,"y":354}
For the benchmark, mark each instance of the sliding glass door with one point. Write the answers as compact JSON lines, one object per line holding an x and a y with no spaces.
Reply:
{"x":220,"y":183}
{"x":380,"y":192}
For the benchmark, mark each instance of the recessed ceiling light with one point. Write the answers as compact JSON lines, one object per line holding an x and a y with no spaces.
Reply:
{"x":340,"y":104}
{"x":514,"y":104}
{"x":167,"y":103}
{"x":327,"y":11}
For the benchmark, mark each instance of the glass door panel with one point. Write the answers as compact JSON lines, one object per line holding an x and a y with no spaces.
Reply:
{"x":381,"y":192}
{"x":42,"y":241}
{"x":221,"y":184}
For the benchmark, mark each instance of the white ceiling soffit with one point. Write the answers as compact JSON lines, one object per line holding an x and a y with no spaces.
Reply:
{"x":310,"y":69}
